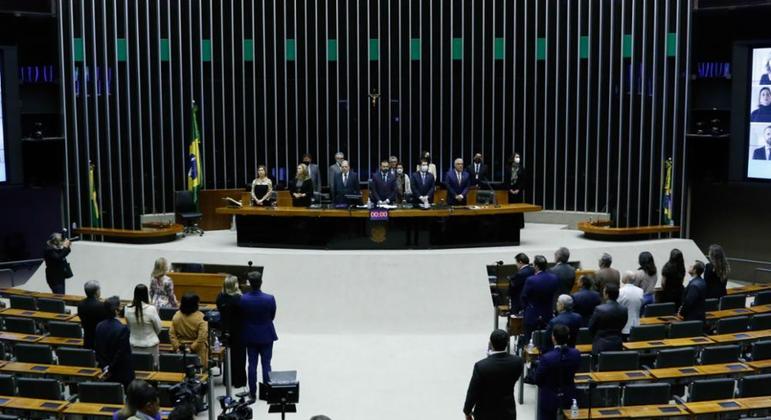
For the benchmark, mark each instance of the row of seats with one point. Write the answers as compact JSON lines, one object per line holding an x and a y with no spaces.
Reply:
{"x":52,"y":389}
{"x":714,"y":304}
{"x":722,"y":326}
{"x":29,"y":303}
{"x":56,"y":328}
{"x":682,"y":329}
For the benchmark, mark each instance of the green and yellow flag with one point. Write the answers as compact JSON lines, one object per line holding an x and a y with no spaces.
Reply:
{"x":667,"y":200}
{"x":96,"y":218}
{"x":194,"y":173}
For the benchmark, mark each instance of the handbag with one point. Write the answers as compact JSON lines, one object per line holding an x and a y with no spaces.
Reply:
{"x":67,"y":270}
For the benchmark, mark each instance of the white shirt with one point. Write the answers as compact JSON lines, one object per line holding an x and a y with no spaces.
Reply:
{"x":144,"y":334}
{"x":631,"y":297}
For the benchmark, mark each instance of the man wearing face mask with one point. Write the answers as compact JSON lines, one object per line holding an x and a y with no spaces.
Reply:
{"x":431,"y":167}
{"x":403,"y":188}
{"x":333,"y":171}
{"x":764,"y":153}
{"x":517,"y":180}
{"x":313,"y":171}
{"x":383,"y":186}
{"x":423,"y":185}
{"x":345,"y":183}
{"x":477,"y":170}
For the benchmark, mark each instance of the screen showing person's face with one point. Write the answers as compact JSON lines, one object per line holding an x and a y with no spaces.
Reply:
{"x":765,"y":97}
{"x":767,"y":135}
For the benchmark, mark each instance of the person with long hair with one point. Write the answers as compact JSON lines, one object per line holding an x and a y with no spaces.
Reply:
{"x":143,"y":322}
{"x":161,"y":287}
{"x":189,"y":329}
{"x":302,"y":187}
{"x":763,"y":111}
{"x":228,"y":302}
{"x":262,"y":186}
{"x":716,"y":272}
{"x":672,"y":277}
{"x":645,"y":278}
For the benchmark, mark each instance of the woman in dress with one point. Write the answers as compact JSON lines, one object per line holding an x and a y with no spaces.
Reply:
{"x":302,"y":187}
{"x":262,"y":187}
{"x":161,"y":286}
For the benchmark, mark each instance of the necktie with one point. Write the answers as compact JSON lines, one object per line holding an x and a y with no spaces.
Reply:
{"x":345,"y":179}
{"x":423,"y":176}
{"x":477,"y":169}
{"x":459,"y":177}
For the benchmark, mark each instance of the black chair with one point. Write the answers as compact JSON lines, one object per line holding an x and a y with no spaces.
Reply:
{"x":711,"y":304}
{"x":100,"y":392}
{"x":164,"y":336}
{"x":41,"y":388}
{"x":76,"y":357}
{"x":760,"y":322}
{"x":584,"y":336}
{"x":7,"y":385}
{"x":186,"y":209}
{"x":23,"y":302}
{"x":648,"y":332}
{"x":660,"y":309}
{"x":602,"y":396}
{"x":51,"y":305}
{"x":165,"y":396}
{"x":172,"y":362}
{"x":670,"y":358}
{"x":64,"y":329}
{"x":20,"y":325}
{"x":762,"y":298}
{"x":618,"y":360}
{"x":713,"y":355}
{"x":540,"y":338}
{"x":166,"y":314}
{"x":761,"y":350}
{"x":685,"y":329}
{"x":647,"y":394}
{"x":755,"y":386}
{"x":711,"y":389}
{"x":34,"y":353}
{"x":586,"y":363}
{"x":732,"y":302}
{"x":143,"y":360}
{"x":732,"y":325}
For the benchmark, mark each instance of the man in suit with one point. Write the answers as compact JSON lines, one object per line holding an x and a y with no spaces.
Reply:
{"x":607,"y":322}
{"x":695,"y":294}
{"x":554,"y":375}
{"x":565,"y":316}
{"x":91,"y":312}
{"x":606,"y":275}
{"x":490,"y":394}
{"x":517,"y":282}
{"x":458,"y":182}
{"x":334,"y":170}
{"x":631,"y":298}
{"x":423,"y":185}
{"x":112,"y":347}
{"x":393,"y":162}
{"x":564,"y":271}
{"x":258,"y":332}
{"x":585,"y":300}
{"x":345,"y":183}
{"x":538,"y":297}
{"x":477,"y":170}
{"x":313,"y":172}
{"x":764,"y":153}
{"x":383,"y":186}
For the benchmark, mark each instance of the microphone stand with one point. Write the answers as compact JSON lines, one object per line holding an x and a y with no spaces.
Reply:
{"x":492,"y":190}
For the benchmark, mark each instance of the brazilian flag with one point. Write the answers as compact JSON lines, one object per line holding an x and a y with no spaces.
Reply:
{"x":96,"y":217}
{"x":194,"y":173}
{"x":667,"y":199}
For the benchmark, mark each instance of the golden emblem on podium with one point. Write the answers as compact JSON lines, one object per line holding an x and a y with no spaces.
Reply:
{"x":377,"y":233}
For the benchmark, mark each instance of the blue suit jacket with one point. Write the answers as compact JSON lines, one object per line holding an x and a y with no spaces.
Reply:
{"x":420,"y":188}
{"x":554,"y":375}
{"x":112,"y":347}
{"x":569,"y":319}
{"x":584,"y":302}
{"x":693,"y":300}
{"x":258,"y":310}
{"x":382,"y":189}
{"x":538,"y":297}
{"x":453,"y":188}
{"x":352,"y":187}
{"x":516,"y":284}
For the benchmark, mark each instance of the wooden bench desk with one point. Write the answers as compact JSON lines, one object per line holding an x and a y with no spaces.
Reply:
{"x":727,"y":313}
{"x":668,"y":343}
{"x":735,"y":404}
{"x":748,"y":289}
{"x":75,"y":318}
{"x":33,"y":404}
{"x":170,"y":377}
{"x":759,"y":364}
{"x":61,"y":341}
{"x":536,"y":352}
{"x":631,"y":412}
{"x":51,"y":370}
{"x":700,"y":370}
{"x":100,"y":410}
{"x":19,"y":337}
{"x":741,"y":336}
{"x":36,"y":315}
{"x":613,"y":376}
{"x":760,"y":309}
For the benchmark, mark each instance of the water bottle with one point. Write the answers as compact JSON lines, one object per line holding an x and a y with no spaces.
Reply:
{"x":217,"y":345}
{"x":530,"y":346}
{"x":574,"y":409}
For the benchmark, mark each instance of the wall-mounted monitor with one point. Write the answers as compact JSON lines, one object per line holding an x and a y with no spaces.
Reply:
{"x":759,"y":119}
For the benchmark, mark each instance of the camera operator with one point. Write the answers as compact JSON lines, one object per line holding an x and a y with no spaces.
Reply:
{"x":228,"y":303}
{"x":258,"y":310}
{"x":189,"y":329}
{"x":57,"y":268}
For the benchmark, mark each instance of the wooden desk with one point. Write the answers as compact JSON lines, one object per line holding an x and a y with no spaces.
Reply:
{"x":760,"y":364}
{"x":100,"y":410}
{"x":760,"y":309}
{"x":206,"y":285}
{"x":33,"y":404}
{"x":61,"y":341}
{"x":51,"y":370}
{"x":144,"y":235}
{"x":727,"y":313}
{"x":171,"y":377}
{"x":700,"y":371}
{"x":75,"y":318}
{"x":631,"y":412}
{"x":658,"y":320}
{"x":734,"y":404}
{"x":536,"y":352}
{"x":613,"y":376}
{"x":37,"y":315}
{"x":748,"y":289}
{"x":603,"y":230}
{"x":19,"y":337}
{"x":741,"y":336}
{"x":667,"y":343}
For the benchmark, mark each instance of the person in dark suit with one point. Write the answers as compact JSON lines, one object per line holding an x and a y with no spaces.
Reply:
{"x":313,"y":172}
{"x":490,"y":394}
{"x":258,"y":310}
{"x":423,"y":185}
{"x":606,"y":274}
{"x":764,"y":153}
{"x":585,"y":300}
{"x":554,"y":375}
{"x":55,"y":256}
{"x":695,"y":294}
{"x":477,"y":170}
{"x":607,"y":322}
{"x":383,"y":186}
{"x":112,"y":347}
{"x":565,"y":316}
{"x":345,"y":183}
{"x":517,"y":282}
{"x":458,"y":182}
{"x":538,"y":297}
{"x":564,"y":271}
{"x":228,"y":304}
{"x":334,"y":170}
{"x":91,"y":312}
{"x":302,"y":187}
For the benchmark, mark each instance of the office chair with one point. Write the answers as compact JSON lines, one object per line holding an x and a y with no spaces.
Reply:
{"x":34,"y":353}
{"x":164,"y":336}
{"x":76,"y":357}
{"x":64,"y":329}
{"x":143,"y":360}
{"x":618,"y":360}
{"x":648,"y":332}
{"x":647,"y":394}
{"x":26,"y":303}
{"x":584,"y":336}
{"x":732,"y":325}
{"x":187,"y":210}
{"x":685,"y":329}
{"x":711,"y":304}
{"x":760,"y":322}
{"x":7,"y":385}
{"x":20,"y":325}
{"x":41,"y":388}
{"x":586,"y":363}
{"x":755,"y":386}
{"x":710,"y":389}
{"x":100,"y":392}
{"x":670,"y":358}
{"x":51,"y":305}
{"x":485,"y":197}
{"x":659,"y":309}
{"x":602,"y":396}
{"x":172,"y":362}
{"x":761,"y":350}
{"x":166,"y":314}
{"x":713,"y":355}
{"x":732,"y":302}
{"x":762,"y":298}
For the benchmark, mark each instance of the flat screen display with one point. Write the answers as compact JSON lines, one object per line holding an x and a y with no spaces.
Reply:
{"x":759,"y":163}
{"x":3,"y":173}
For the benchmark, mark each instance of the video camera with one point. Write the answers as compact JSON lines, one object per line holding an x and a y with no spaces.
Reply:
{"x":190,"y":390}
{"x":235,"y":409}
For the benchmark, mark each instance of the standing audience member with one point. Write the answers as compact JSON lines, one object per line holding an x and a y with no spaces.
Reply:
{"x":228,"y":302}
{"x":565,"y":316}
{"x":645,"y":278}
{"x":606,"y":275}
{"x":607,"y":322}
{"x":91,"y":312}
{"x":161,"y":287}
{"x":258,"y":311}
{"x":457,"y":181}
{"x":538,"y":297}
{"x":403,"y":188}
{"x":143,"y":323}
{"x":313,"y":173}
{"x":631,"y":298}
{"x":554,"y":375}
{"x":334,"y":170}
{"x":301,"y":187}
{"x":564,"y":271}
{"x":517,"y":282}
{"x":695,"y":294}
{"x":423,"y":185}
{"x":142,"y":402}
{"x":585,"y":300}
{"x":490,"y":394}
{"x":516,"y":181}
{"x":716,"y":272}
{"x":57,"y":268}
{"x":672,"y":277}
{"x":189,"y":329}
{"x":112,"y":346}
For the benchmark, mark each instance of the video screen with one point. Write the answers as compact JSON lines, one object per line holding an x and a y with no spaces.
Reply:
{"x":3,"y":174}
{"x":759,"y":163}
